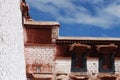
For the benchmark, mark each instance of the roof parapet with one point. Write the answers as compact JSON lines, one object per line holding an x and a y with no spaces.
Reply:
{"x":42,"y":23}
{"x":89,"y":38}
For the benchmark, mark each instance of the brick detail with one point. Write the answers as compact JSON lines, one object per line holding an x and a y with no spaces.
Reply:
{"x":39,"y":54}
{"x":63,"y":65}
{"x":92,"y":65}
{"x":117,"y":65}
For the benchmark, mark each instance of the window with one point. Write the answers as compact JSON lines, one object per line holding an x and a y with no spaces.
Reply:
{"x":78,"y":55}
{"x":78,"y":62}
{"x":106,"y":63}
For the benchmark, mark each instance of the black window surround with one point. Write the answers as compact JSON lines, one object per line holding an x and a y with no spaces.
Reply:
{"x":106,"y":61}
{"x":78,"y":62}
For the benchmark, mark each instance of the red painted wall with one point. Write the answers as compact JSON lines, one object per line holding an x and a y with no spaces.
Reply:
{"x":38,"y":35}
{"x":63,"y":50}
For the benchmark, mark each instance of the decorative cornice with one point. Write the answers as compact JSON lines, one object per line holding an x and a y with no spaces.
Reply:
{"x":32,"y":44}
{"x":93,"y":42}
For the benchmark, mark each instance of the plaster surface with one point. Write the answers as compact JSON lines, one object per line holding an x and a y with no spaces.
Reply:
{"x":12,"y":62}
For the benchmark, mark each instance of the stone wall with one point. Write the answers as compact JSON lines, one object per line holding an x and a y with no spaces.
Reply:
{"x":39,"y":54}
{"x":46,"y":55}
{"x":63,"y":65}
{"x":92,"y":65}
{"x":42,"y":55}
{"x":12,"y":62}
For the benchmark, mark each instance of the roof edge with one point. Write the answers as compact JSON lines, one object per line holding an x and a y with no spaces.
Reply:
{"x":88,"y":38}
{"x":42,"y":23}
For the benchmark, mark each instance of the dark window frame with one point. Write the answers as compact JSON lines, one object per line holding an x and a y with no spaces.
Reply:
{"x":84,"y":63}
{"x":111,"y":67}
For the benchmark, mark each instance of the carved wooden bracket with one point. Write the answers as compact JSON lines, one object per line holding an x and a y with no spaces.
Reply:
{"x":110,"y":48}
{"x":81,"y":47}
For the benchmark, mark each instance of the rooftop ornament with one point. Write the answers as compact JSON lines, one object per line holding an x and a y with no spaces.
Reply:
{"x":25,"y":10}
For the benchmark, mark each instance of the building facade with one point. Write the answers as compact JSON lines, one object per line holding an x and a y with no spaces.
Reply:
{"x":52,"y":57}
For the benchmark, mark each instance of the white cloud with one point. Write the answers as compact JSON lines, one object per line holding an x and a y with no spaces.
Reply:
{"x":92,"y":2}
{"x":113,"y":10}
{"x":106,"y":14}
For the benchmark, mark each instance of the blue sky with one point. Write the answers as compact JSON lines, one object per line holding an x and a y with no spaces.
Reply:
{"x":88,"y":18}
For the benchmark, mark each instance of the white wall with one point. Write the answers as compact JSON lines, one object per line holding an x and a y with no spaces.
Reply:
{"x":117,"y":65}
{"x":39,"y":54}
{"x":12,"y":63}
{"x":43,"y":55}
{"x":63,"y":65}
{"x":92,"y":65}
